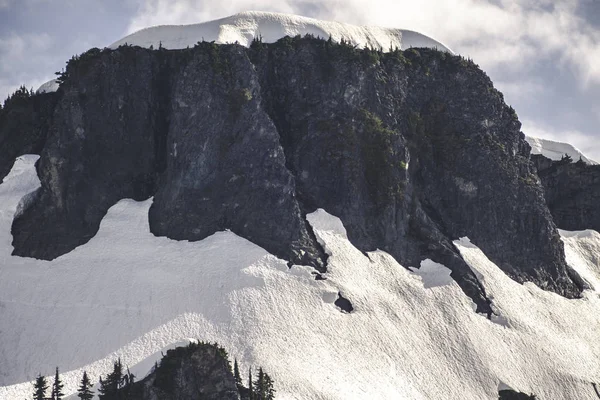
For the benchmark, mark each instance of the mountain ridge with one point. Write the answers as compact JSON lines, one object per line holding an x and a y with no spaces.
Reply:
{"x":380,"y":156}
{"x":244,"y":27}
{"x":218,"y":145}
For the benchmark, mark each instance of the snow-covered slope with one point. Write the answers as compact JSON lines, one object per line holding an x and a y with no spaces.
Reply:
{"x":556,"y":150}
{"x":48,"y":87}
{"x":244,"y":27}
{"x":413,"y":335}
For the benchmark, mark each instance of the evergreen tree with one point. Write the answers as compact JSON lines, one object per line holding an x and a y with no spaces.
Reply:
{"x":39,"y":388}
{"x":85,"y":389}
{"x":250,"y":387}
{"x":128,"y":380}
{"x":259,"y":385}
{"x":236,"y":374}
{"x":57,"y":387}
{"x":269,"y":390}
{"x":263,"y":387}
{"x":114,"y":381}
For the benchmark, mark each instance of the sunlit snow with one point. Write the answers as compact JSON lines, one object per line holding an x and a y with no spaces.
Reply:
{"x":48,"y":87}
{"x":244,"y":27}
{"x":412,"y":335}
{"x":556,"y":150}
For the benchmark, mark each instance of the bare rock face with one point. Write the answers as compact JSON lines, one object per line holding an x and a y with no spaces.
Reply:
{"x":199,"y":372}
{"x":411,"y":150}
{"x":572,"y":192}
{"x":24,"y":125}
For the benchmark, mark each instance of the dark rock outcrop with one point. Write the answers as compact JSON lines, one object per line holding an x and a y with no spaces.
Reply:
{"x":410,"y":149}
{"x":572,"y":191}
{"x":101,"y":148}
{"x":508,"y":394}
{"x":197,"y":372}
{"x":344,"y":304}
{"x":24,"y":125}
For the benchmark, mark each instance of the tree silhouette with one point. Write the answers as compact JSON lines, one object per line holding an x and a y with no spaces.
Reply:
{"x":57,"y":387}
{"x":39,"y":388}
{"x":85,"y":388}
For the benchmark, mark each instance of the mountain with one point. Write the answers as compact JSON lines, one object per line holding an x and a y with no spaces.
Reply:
{"x":362,"y":224}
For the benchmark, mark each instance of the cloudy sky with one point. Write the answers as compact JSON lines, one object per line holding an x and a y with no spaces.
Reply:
{"x":543,"y":55}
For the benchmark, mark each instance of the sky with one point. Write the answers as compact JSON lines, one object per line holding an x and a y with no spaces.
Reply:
{"x":543,"y":55}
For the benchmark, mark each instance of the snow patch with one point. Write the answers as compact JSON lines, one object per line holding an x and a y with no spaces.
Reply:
{"x":582,"y":251}
{"x":556,"y":150}
{"x":242,"y":28}
{"x":323,"y":221}
{"x":48,"y":87}
{"x":433,"y":274}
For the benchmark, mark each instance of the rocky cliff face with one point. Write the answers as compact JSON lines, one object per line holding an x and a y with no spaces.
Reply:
{"x":24,"y":126}
{"x":199,"y":372}
{"x":572,"y":192}
{"x":410,"y":149}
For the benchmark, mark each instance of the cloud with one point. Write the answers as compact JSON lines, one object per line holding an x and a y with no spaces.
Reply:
{"x":21,"y":57}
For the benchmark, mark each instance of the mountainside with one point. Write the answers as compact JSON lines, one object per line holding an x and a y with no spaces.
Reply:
{"x":412,"y":334}
{"x":182,"y":193}
{"x":572,"y":192}
{"x":411,"y":149}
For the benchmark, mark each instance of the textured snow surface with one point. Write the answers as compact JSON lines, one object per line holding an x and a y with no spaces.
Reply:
{"x":556,"y":150}
{"x":413,"y":335}
{"x":244,"y":27}
{"x":48,"y":87}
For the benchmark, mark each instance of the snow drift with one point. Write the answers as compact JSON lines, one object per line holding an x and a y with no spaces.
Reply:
{"x":244,"y":27}
{"x":556,"y":150}
{"x":411,"y":335}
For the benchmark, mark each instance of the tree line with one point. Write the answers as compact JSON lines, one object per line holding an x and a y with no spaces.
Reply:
{"x":117,"y":384}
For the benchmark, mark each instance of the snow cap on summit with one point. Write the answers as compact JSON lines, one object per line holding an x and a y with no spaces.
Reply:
{"x":244,"y":27}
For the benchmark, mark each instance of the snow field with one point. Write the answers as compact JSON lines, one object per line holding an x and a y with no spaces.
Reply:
{"x":244,"y":27}
{"x":413,"y":335}
{"x":556,"y":150}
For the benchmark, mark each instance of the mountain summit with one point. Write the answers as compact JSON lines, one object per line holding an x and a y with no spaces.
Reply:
{"x":244,"y":27}
{"x":360,"y":223}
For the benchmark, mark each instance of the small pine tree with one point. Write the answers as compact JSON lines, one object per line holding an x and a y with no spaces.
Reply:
{"x":39,"y":388}
{"x":259,"y":385}
{"x":114,"y":381}
{"x":57,"y":386}
{"x":85,"y":389}
{"x":236,"y":374}
{"x":250,"y":387}
{"x":566,"y":159}
{"x":269,"y":390}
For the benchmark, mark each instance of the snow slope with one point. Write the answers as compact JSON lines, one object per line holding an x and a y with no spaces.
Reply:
{"x":413,"y":335}
{"x":244,"y":27}
{"x":556,"y":150}
{"x":48,"y":87}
